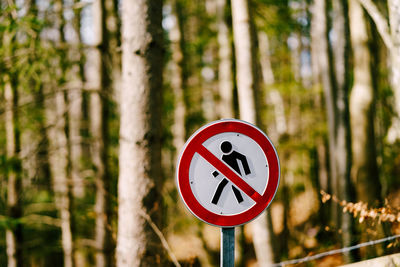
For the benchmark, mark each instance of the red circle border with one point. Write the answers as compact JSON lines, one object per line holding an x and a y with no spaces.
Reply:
{"x":196,"y":140}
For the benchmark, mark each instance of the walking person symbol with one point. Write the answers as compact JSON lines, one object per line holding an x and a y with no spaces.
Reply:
{"x":231,"y":158}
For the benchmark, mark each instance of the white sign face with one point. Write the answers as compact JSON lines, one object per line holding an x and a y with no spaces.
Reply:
{"x":216,"y":192}
{"x":228,"y":173}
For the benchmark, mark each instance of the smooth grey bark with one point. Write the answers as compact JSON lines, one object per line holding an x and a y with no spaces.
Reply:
{"x":140,"y":178}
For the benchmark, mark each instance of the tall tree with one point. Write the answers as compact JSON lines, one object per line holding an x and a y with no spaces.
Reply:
{"x":100,"y":88}
{"x":342,"y":158}
{"x":12,"y":150}
{"x":246,"y":74}
{"x":364,"y":171}
{"x":140,"y":178}
{"x":225,"y":75}
{"x":56,"y":110}
{"x":14,"y":212}
{"x":322,"y":59}
{"x":247,"y":83}
{"x":75,"y":106}
{"x":333,"y":74}
{"x":388,"y":30}
{"x":179,"y":75}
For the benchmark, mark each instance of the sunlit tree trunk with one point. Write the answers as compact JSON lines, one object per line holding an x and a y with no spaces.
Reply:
{"x":225,"y":76}
{"x":140,"y":178}
{"x":178,"y":76}
{"x":13,"y":234}
{"x":394,"y":21}
{"x":323,"y":60}
{"x":56,"y":110}
{"x":246,"y":80}
{"x":364,"y":168}
{"x":273,"y":96}
{"x":12,"y":150}
{"x":58,"y":156}
{"x":75,"y":109}
{"x":390,"y":35}
{"x":342,"y":132}
{"x":247,"y":87}
{"x":99,"y":82}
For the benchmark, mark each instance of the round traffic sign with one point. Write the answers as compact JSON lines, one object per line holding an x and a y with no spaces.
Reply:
{"x":228,"y":173}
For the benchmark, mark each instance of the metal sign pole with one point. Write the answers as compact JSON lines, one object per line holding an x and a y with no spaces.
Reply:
{"x":228,"y":247}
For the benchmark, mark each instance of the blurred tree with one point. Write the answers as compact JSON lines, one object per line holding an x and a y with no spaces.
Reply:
{"x":13,"y":147}
{"x":365,"y":173}
{"x":388,"y":30}
{"x":56,"y":110}
{"x":179,"y":74}
{"x":342,"y":157}
{"x":225,"y":75}
{"x":100,"y":90}
{"x":323,"y":60}
{"x":75,"y":115}
{"x":247,"y":84}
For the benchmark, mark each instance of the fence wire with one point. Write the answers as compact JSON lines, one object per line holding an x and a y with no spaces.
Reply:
{"x":335,"y":251}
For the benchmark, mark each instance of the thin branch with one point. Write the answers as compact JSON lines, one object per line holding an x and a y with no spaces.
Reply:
{"x":162,"y":238}
{"x":380,"y":22}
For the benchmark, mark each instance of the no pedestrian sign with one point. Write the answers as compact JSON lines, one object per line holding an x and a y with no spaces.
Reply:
{"x":228,"y":173}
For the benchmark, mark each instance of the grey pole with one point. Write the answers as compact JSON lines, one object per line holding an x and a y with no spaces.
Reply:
{"x":227,"y":247}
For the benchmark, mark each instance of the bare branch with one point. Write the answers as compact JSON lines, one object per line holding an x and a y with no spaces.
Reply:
{"x":162,"y":238}
{"x":380,"y":22}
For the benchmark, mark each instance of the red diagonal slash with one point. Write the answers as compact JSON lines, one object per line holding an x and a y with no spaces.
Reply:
{"x":228,"y":173}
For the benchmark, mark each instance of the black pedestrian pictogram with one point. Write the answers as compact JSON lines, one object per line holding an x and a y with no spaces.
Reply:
{"x":231,"y":158}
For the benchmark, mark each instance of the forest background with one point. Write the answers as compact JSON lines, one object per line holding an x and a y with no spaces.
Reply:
{"x":98,"y":97}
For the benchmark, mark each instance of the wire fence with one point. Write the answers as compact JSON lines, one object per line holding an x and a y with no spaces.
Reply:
{"x":336,"y":251}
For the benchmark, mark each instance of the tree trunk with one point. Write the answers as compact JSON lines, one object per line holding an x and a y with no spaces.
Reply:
{"x":178,"y":77}
{"x":342,"y":132}
{"x":225,"y":83}
{"x":247,"y":87}
{"x":75,"y":110}
{"x":140,"y":178}
{"x":13,"y":234}
{"x":58,"y":157}
{"x":56,"y":110}
{"x":364,"y":170}
{"x":391,"y":38}
{"x":394,"y":21}
{"x":246,"y":80}
{"x":100,"y":87}
{"x":323,"y":59}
